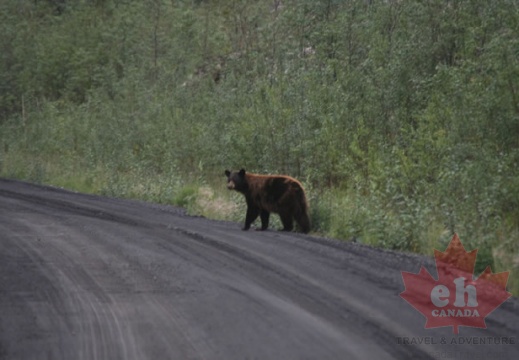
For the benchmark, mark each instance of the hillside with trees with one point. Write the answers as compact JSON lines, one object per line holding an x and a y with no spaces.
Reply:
{"x":401,"y":118}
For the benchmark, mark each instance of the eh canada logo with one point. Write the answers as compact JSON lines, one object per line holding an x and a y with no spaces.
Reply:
{"x":456,"y":298}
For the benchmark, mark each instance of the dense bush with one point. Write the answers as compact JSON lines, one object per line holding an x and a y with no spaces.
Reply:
{"x":401,"y":118}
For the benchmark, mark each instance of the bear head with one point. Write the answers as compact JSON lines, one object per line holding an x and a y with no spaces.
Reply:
{"x":236,"y":180}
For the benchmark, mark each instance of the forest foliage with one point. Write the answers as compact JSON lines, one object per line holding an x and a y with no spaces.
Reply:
{"x":400,"y":117}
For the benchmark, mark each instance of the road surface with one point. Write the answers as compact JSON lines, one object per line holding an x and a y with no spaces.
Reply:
{"x":90,"y":277}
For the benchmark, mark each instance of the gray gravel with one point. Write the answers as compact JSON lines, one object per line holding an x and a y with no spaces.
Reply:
{"x":90,"y":277}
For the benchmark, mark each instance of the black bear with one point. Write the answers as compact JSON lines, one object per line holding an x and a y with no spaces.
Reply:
{"x":264,"y":194}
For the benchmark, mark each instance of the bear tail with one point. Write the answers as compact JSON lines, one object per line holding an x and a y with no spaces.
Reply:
{"x":302,"y":217}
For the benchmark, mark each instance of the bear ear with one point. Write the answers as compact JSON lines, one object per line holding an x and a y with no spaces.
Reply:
{"x":227,"y":173}
{"x":242,"y":172}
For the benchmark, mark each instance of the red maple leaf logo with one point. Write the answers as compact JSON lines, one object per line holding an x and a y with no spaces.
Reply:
{"x":456,"y":298}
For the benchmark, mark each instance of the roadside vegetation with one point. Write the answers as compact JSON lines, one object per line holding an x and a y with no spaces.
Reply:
{"x":401,"y":118}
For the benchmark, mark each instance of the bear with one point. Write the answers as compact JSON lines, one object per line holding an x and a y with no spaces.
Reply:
{"x":264,"y":194}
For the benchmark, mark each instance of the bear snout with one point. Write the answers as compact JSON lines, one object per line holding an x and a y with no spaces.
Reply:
{"x":230,"y":185}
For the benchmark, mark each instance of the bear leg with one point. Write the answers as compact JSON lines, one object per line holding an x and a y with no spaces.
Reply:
{"x":264,"y":215}
{"x":303,"y":221}
{"x":252,"y":214}
{"x":287,"y":221}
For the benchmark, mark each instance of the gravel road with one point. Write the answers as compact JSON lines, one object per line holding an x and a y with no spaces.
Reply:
{"x":90,"y":277}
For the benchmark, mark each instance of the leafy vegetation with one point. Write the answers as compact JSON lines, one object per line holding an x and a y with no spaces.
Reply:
{"x":401,"y":118}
